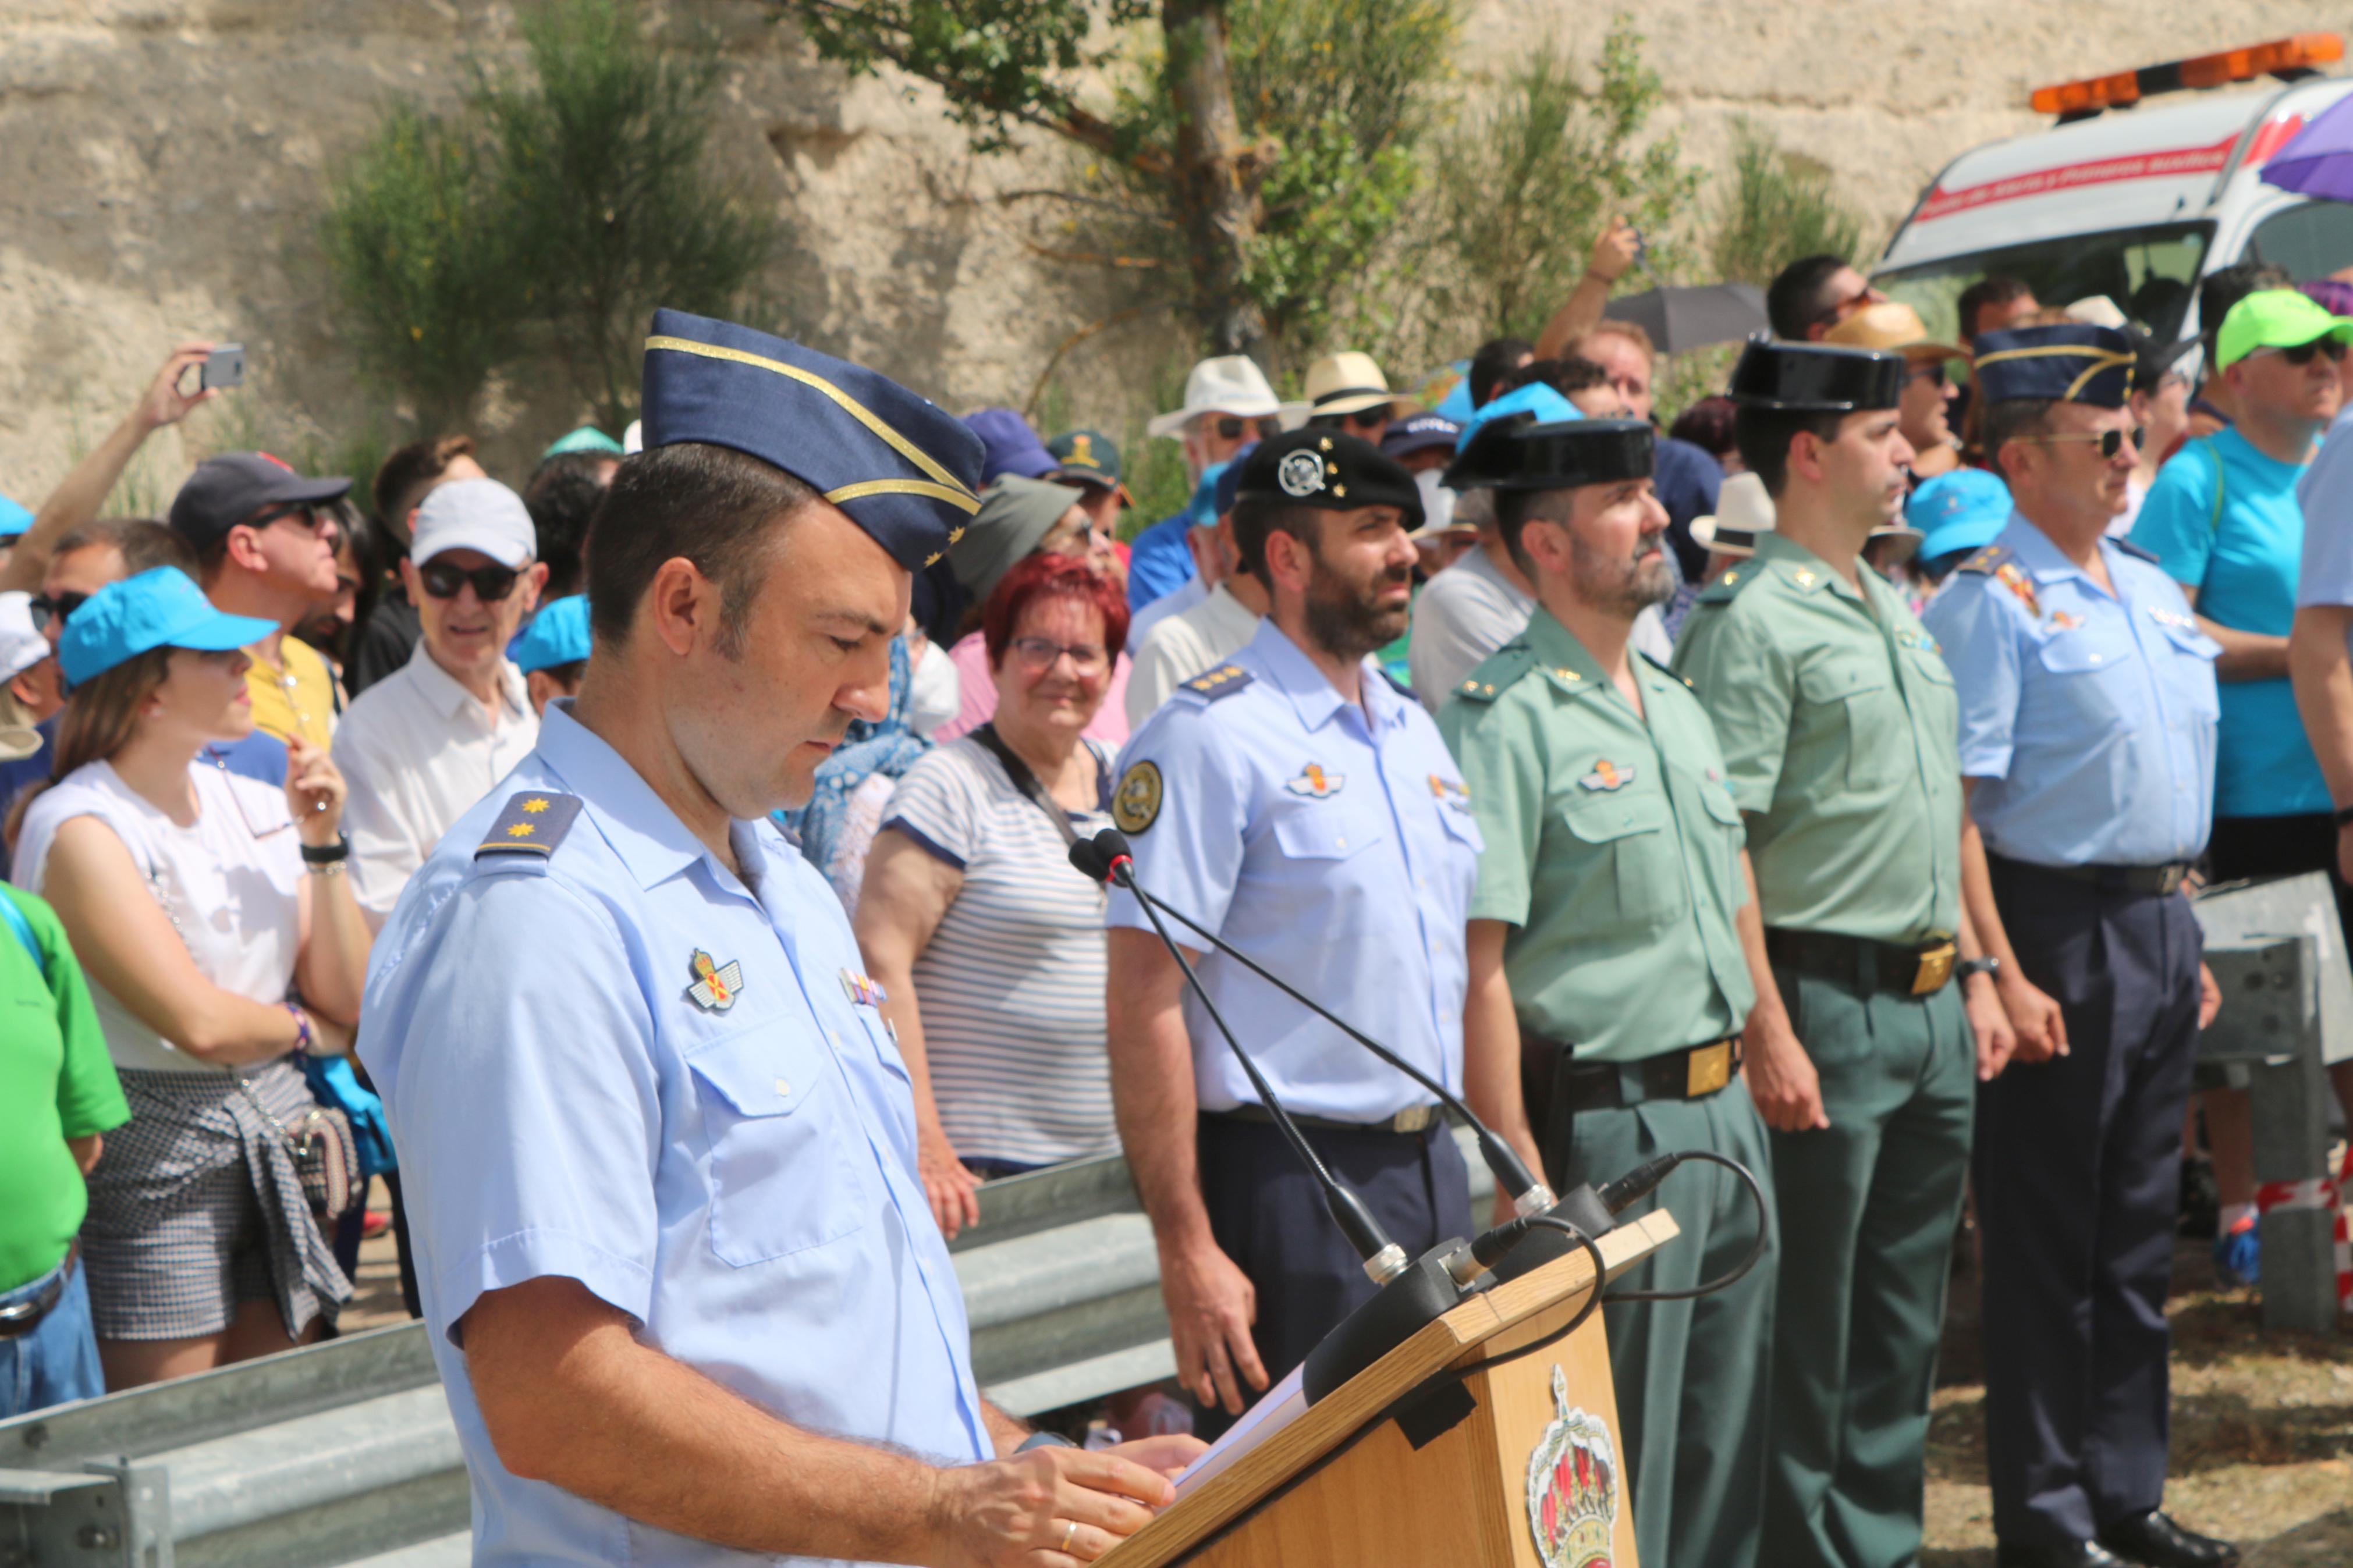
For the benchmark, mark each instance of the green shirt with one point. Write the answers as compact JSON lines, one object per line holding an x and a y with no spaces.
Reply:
{"x":1841,"y":733}
{"x":1612,"y":843}
{"x":55,"y":1084}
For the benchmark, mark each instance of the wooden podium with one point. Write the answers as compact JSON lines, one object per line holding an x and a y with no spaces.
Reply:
{"x":1544,"y":1425}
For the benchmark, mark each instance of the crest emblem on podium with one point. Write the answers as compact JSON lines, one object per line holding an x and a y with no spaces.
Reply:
{"x":1573,"y":1487}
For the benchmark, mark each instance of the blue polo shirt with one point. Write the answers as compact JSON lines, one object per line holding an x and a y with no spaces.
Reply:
{"x":2242,"y":563}
{"x":1158,"y":560}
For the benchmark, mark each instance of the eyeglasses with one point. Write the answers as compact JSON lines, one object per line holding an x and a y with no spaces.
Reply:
{"x":1039,"y":655}
{"x":1372,"y":419}
{"x":46,"y":608}
{"x":310,"y":517}
{"x":1932,"y":374}
{"x":491,"y":583}
{"x":2110,"y":442}
{"x":1230,"y":428}
{"x":2301,"y":355}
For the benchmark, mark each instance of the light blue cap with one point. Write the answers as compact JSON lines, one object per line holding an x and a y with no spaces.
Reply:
{"x":1548,"y":406}
{"x":1959,"y":511}
{"x":587,"y":439}
{"x":558,"y":635}
{"x":14,"y":519}
{"x":1202,"y":510}
{"x":160,"y":607}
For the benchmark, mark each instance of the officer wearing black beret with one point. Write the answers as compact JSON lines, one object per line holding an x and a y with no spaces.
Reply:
{"x":1294,"y":801}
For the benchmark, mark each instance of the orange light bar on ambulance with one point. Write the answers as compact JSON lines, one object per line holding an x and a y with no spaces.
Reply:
{"x":2288,"y":57}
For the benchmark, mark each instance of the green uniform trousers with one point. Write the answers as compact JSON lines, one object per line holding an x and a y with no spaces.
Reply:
{"x":1690,"y":1376}
{"x":1867,"y":1207}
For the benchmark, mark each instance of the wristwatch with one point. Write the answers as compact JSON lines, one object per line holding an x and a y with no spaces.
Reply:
{"x":327,"y":860}
{"x":1969,"y":966}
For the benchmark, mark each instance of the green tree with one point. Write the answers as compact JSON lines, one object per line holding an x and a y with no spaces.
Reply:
{"x":549,"y":214}
{"x":409,"y":232}
{"x":1780,"y":206}
{"x":1267,"y":143}
{"x":1527,"y":179}
{"x":608,"y":196}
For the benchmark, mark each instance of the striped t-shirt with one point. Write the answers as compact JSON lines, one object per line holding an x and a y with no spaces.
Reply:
{"x":1011,"y":985}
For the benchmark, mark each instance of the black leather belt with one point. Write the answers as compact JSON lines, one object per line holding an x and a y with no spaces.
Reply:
{"x":1556,"y":1082}
{"x":1413,"y":1122}
{"x":1863,"y":964}
{"x":2162,"y":882}
{"x":18,"y":1318}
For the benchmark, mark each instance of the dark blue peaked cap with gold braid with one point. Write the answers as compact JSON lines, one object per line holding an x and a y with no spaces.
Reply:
{"x":900,"y":468}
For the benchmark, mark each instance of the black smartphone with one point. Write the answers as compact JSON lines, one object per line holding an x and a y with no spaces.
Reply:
{"x":224,"y":367}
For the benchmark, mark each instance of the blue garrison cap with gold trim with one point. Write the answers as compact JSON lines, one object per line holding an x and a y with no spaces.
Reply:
{"x":2076,"y":362}
{"x":901,"y":468}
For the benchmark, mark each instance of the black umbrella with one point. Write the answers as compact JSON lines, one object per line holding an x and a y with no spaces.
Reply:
{"x":1679,"y":319}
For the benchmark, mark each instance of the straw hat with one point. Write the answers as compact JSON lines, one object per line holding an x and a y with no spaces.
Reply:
{"x":1742,"y":511}
{"x":1892,"y":325}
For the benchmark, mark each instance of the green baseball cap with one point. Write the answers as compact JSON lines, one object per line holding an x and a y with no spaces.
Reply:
{"x":2275,"y":318}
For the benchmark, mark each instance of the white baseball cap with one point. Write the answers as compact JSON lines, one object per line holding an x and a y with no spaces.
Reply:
{"x":474,"y":514}
{"x":21,"y":646}
{"x":1231,"y":384}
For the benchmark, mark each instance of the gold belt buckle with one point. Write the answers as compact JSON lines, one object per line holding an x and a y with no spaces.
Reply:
{"x":1707,"y":1070}
{"x":1935,"y":968}
{"x":1412,"y":1119}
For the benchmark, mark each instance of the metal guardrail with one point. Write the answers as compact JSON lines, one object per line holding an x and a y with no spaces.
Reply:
{"x":344,"y":1453}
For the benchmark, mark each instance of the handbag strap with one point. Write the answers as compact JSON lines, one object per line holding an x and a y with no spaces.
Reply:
{"x":1024,"y":781}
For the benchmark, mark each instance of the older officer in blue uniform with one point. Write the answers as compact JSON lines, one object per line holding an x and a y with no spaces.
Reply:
{"x":686,"y":1295}
{"x":1297,"y":804}
{"x":2088,"y":715}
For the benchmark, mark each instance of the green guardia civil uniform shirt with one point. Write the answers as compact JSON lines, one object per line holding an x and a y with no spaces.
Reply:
{"x":56,"y":1083}
{"x":1840,"y":733}
{"x":1612,"y":845}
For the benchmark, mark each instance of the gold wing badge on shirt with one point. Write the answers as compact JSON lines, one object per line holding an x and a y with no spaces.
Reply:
{"x":715,"y":984}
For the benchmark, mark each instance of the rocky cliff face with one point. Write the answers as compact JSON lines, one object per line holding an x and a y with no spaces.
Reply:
{"x":162,"y":163}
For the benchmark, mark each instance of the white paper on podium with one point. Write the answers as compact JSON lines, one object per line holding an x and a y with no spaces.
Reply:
{"x":1276,"y":1409}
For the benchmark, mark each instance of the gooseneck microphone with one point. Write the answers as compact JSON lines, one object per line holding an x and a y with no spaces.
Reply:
{"x":1103,"y":859}
{"x":1383,"y":1259}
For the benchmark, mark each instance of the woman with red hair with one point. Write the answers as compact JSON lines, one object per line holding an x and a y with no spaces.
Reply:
{"x":988,"y":947}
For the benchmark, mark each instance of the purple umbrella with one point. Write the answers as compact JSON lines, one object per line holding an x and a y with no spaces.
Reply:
{"x":2319,"y":160}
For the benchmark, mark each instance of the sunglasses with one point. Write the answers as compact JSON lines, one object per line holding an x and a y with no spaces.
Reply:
{"x":2301,"y":355}
{"x":1039,"y":654}
{"x":1230,"y":428}
{"x":46,"y":608}
{"x":1935,"y":374}
{"x":2110,"y":442}
{"x":310,"y":517}
{"x":491,"y":583}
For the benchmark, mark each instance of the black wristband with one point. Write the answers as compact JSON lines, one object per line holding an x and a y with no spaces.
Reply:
{"x":2345,"y":817}
{"x":1969,"y":966}
{"x":1044,"y":1440}
{"x":328,"y":854}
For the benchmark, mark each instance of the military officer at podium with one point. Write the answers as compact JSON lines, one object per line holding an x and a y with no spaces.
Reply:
{"x":685,"y":1293}
{"x":2088,"y":715}
{"x":1296,"y":803}
{"x":1615,"y":948}
{"x":1837,"y":721}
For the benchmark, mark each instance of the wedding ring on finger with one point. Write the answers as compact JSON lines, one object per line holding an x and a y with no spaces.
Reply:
{"x":1068,"y":1536}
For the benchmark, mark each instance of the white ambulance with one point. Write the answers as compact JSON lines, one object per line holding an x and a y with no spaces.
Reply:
{"x":2134,"y":202}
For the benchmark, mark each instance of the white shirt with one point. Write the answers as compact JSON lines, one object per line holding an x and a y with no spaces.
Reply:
{"x":1184,"y":645}
{"x":230,"y":884}
{"x":418,"y":751}
{"x":1466,"y":613}
{"x":1175,"y":601}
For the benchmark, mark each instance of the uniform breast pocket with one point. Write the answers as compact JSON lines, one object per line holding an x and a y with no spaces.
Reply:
{"x":783,"y":1171}
{"x":1715,"y":800}
{"x":1324,"y":831}
{"x":1857,"y":696}
{"x":2194,"y":654}
{"x":2090,"y":676}
{"x":1632,"y":834}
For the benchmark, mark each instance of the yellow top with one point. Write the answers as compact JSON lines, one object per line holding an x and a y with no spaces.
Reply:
{"x":296,"y":696}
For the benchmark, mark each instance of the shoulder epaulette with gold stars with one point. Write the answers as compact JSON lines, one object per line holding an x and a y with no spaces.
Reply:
{"x":1727,"y":587}
{"x":1497,"y":671}
{"x":1987,"y":562}
{"x":533,"y":823}
{"x":1222,"y":682}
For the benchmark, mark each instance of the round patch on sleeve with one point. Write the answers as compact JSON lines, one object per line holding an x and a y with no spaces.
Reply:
{"x":1136,"y":805}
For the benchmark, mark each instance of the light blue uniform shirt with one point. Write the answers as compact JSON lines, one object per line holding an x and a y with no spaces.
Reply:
{"x":1337,"y":850}
{"x":2244,"y":570}
{"x":2090,"y":720}
{"x":739,"y":1179}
